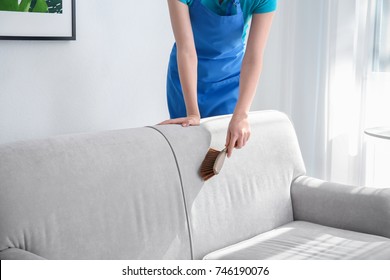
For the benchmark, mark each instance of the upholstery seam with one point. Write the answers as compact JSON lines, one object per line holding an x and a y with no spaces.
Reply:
{"x":182,"y":189}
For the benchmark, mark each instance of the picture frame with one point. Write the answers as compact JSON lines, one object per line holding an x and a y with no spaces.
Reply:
{"x":38,"y":22}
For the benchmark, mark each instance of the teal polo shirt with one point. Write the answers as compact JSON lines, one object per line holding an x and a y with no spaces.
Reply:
{"x":249,"y":7}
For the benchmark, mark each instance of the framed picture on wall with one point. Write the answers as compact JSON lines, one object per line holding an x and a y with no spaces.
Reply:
{"x":37,"y":20}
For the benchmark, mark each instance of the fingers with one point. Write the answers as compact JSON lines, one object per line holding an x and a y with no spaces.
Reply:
{"x":172,"y":121}
{"x":248,"y":135}
{"x":242,"y":140}
{"x":189,"y":122}
{"x":229,"y":149}
{"x":237,"y":141}
{"x":227,"y":138}
{"x":232,"y":143}
{"x":182,"y":121}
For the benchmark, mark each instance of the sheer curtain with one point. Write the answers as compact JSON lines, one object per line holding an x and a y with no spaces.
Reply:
{"x":349,"y":37}
{"x":318,"y":69}
{"x":377,"y":151}
{"x":358,"y":96}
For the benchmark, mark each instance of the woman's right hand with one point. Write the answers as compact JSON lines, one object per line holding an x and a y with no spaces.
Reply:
{"x":187,"y":121}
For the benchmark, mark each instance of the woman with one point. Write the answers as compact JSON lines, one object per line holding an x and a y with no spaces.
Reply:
{"x":211,"y":70}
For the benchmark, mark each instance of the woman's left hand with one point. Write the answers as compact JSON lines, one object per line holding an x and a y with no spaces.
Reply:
{"x":187,"y":121}
{"x":238,"y":133}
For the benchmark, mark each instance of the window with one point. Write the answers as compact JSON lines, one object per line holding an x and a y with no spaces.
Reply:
{"x":381,"y":56}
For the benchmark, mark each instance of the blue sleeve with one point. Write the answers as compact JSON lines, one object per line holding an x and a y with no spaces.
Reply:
{"x":265,"y":6}
{"x":185,"y":1}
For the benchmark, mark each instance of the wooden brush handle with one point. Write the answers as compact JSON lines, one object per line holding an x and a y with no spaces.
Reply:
{"x":219,"y":161}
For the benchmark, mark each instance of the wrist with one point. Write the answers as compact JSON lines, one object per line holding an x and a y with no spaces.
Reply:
{"x":240,"y":115}
{"x":193,"y":113}
{"x":193,"y":116}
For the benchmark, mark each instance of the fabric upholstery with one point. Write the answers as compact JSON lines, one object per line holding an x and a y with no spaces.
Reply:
{"x":190,"y":145}
{"x":251,"y":195}
{"x":347,"y":207}
{"x":106,"y":195}
{"x":17,"y":254}
{"x":307,"y":241}
{"x":137,"y":194}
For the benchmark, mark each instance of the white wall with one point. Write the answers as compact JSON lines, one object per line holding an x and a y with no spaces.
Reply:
{"x":112,"y":77}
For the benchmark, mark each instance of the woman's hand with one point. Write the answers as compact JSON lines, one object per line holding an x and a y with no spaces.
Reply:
{"x":187,"y":121}
{"x":238,"y":133}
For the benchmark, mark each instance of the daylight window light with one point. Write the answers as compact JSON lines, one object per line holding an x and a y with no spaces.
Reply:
{"x":381,"y":61}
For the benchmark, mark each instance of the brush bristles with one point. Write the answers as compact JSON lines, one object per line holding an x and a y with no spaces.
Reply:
{"x":207,"y":167}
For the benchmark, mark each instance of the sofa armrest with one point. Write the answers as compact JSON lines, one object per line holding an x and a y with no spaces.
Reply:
{"x":347,"y":207}
{"x":18,"y":254}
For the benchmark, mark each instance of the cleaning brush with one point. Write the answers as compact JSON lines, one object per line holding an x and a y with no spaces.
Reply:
{"x":212,"y":163}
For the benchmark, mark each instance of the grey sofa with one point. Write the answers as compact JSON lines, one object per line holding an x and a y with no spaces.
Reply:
{"x":136,"y":194}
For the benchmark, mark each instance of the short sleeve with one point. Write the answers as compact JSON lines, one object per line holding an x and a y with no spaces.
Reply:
{"x":185,"y":1}
{"x":264,"y":6}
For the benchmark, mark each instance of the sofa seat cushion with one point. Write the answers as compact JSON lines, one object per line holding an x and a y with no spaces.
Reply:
{"x":302,"y":240}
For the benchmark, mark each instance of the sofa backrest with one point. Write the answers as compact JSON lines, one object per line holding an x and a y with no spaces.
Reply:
{"x":137,"y":193}
{"x":107,"y":195}
{"x":251,"y":195}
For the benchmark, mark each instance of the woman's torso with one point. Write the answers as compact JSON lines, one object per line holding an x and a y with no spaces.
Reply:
{"x":248,"y":7}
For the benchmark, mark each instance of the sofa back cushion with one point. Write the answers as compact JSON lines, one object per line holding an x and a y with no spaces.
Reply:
{"x":251,"y":195}
{"x":106,"y":195}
